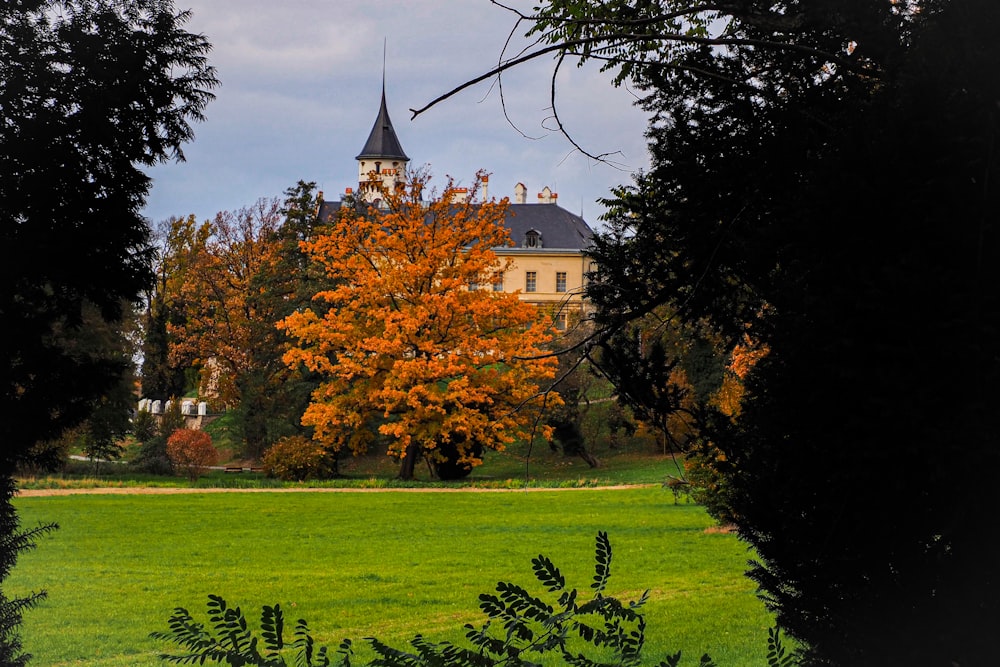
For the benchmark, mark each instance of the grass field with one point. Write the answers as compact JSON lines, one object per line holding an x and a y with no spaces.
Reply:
{"x":388,"y":564}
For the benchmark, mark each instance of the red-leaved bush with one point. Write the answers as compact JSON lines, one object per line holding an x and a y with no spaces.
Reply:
{"x":191,"y":451}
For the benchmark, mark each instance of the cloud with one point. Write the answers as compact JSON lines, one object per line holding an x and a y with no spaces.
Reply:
{"x":301,"y":81}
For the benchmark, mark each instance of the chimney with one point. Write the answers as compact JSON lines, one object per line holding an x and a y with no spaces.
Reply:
{"x":460,"y":195}
{"x":486,"y":187}
{"x":546,"y":196}
{"x":520,"y":194}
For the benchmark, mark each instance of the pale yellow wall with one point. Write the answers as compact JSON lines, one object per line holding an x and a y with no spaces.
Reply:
{"x":546,"y":265}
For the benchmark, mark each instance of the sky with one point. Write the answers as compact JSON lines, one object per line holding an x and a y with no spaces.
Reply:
{"x":300,"y":87}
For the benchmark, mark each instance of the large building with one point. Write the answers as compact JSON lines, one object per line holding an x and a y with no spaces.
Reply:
{"x":550,"y":244}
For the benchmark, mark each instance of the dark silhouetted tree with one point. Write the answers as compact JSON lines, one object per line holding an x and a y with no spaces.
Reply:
{"x":824,"y":178}
{"x":90,"y":92}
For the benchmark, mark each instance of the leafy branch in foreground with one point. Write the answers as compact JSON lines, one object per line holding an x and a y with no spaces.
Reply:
{"x":521,"y":629}
{"x":230,"y":640}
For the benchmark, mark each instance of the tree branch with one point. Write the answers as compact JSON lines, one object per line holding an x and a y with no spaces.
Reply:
{"x":626,"y":38}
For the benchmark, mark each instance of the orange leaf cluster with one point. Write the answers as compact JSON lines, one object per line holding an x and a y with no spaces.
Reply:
{"x":407,"y":344}
{"x":215,"y":278}
{"x":742,"y":359}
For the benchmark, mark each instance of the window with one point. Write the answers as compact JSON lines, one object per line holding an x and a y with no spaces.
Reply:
{"x":560,"y":281}
{"x":497,"y":282}
{"x":530,"y":281}
{"x":532,"y":239}
{"x":560,"y":320}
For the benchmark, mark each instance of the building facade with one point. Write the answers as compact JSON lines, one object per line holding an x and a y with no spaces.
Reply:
{"x":549,"y":260}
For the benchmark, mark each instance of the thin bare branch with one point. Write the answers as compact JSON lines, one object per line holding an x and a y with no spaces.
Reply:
{"x":626,"y":38}
{"x":559,"y":124}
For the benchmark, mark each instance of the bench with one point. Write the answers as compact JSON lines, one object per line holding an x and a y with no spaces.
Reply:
{"x":234,"y":469}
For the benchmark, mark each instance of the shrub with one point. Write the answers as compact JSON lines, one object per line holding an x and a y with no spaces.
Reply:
{"x":152,"y":435}
{"x":297,"y":458}
{"x":191,"y":451}
{"x":144,"y":426}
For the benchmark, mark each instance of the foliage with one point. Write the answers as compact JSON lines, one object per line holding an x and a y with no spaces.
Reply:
{"x":225,"y":285}
{"x":13,"y":542}
{"x":645,"y":360}
{"x":191,"y":451}
{"x":822,"y":176}
{"x":144,"y":426}
{"x":522,"y":629}
{"x":110,"y":416}
{"x":164,"y":371}
{"x":575,"y":382}
{"x":298,"y":458}
{"x":234,"y":644}
{"x":152,"y":456}
{"x":403,"y":344}
{"x":273,"y":396}
{"x":45,"y":458}
{"x":90,"y":91}
{"x":703,"y":459}
{"x":217,"y":280}
{"x":72,"y":227}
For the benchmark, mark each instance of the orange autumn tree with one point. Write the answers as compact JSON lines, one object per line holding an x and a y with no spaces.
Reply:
{"x":408,"y":346}
{"x":219,"y":287}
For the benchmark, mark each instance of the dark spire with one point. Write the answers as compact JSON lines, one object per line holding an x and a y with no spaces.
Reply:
{"x":382,"y":142}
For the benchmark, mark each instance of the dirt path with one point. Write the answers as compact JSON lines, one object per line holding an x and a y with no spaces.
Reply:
{"x":121,"y":491}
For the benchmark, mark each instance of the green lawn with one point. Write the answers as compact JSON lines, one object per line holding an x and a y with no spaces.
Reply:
{"x":387,"y":564}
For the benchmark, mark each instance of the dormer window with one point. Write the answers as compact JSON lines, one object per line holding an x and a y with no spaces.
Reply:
{"x":532,"y":239}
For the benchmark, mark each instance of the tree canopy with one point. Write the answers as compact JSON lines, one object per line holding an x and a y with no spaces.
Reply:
{"x":824,"y":179}
{"x":90,"y":92}
{"x":225,"y":285}
{"x":407,"y":343}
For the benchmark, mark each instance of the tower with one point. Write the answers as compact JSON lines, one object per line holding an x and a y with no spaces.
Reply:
{"x":382,"y":156}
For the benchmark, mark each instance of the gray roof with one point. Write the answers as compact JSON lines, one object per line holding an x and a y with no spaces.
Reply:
{"x":559,"y":229}
{"x":382,"y":142}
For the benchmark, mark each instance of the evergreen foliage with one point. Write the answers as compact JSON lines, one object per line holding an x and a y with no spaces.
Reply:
{"x":14,"y":541}
{"x":90,"y":91}
{"x":152,"y":436}
{"x":824,"y":178}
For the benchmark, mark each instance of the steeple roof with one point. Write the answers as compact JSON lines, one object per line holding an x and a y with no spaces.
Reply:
{"x":382,"y":142}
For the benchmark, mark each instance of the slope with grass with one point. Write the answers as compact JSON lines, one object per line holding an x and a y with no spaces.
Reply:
{"x":387,"y":564}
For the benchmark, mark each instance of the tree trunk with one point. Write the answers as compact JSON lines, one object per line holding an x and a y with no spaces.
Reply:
{"x":409,"y":462}
{"x":591,"y":460}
